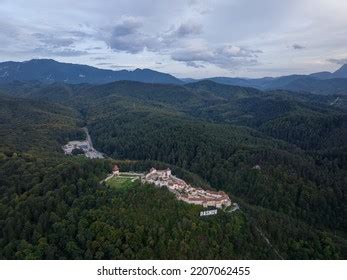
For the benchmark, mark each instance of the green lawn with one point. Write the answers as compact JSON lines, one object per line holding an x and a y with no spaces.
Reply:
{"x":126,"y":175}
{"x":121,"y":182}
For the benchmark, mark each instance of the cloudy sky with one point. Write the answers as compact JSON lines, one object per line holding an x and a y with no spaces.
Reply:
{"x":192,"y":38}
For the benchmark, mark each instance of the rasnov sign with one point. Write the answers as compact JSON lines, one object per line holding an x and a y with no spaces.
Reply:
{"x":208,"y":212}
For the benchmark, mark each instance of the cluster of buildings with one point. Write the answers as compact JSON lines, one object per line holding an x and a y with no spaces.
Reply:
{"x":184,"y":191}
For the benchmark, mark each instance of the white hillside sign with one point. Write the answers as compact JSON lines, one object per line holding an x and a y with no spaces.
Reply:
{"x":208,"y":212}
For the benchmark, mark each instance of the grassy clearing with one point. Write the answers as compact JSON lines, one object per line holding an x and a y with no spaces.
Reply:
{"x":121,"y":182}
{"x":122,"y":174}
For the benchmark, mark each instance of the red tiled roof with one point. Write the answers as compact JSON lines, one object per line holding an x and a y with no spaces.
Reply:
{"x":115,"y":168}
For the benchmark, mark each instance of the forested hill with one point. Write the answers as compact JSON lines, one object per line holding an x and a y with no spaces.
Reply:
{"x":213,"y":133}
{"x":306,"y":120}
{"x":324,"y":83}
{"x":50,"y":71}
{"x":32,"y":126}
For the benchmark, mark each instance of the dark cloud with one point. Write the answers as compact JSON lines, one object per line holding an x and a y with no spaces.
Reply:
{"x":298,"y":47}
{"x":126,"y":27}
{"x":80,"y":34}
{"x":129,"y":43}
{"x":227,"y":57}
{"x":126,"y":36}
{"x":187,"y":29}
{"x":192,"y":55}
{"x":339,"y":61}
{"x":194,"y":64}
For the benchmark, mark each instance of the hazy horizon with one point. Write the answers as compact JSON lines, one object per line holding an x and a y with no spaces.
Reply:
{"x":183,"y":77}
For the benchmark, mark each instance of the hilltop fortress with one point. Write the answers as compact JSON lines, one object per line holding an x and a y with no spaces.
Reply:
{"x":184,"y":191}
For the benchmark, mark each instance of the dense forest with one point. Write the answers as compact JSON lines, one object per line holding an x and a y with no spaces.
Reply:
{"x":54,"y":207}
{"x":68,"y":215}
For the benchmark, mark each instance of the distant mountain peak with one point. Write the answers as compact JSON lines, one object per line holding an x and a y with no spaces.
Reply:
{"x":341,"y":72}
{"x":344,"y":66}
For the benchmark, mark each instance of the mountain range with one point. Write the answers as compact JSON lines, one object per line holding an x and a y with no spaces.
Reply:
{"x":318,"y":83}
{"x":50,"y":71}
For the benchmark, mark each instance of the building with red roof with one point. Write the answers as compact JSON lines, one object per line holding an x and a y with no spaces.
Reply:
{"x":115,"y":170}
